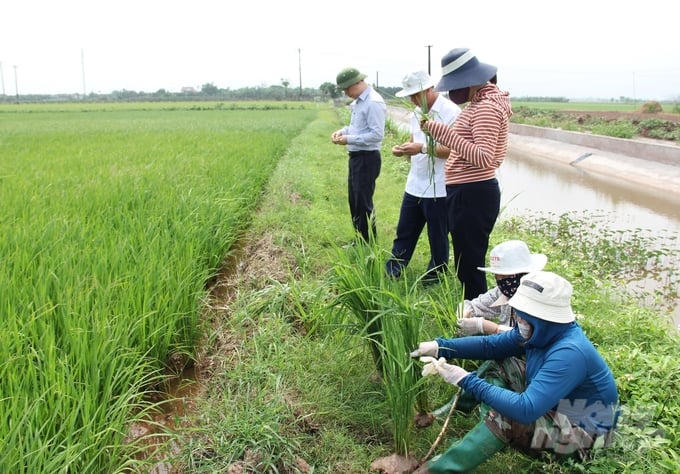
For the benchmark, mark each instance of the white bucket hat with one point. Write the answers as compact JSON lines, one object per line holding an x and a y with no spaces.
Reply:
{"x":544,"y":295}
{"x":415,"y":82}
{"x":512,"y":257}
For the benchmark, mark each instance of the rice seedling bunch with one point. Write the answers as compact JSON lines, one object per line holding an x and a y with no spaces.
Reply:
{"x":389,"y":316}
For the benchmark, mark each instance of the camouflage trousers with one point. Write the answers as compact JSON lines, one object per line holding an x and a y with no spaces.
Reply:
{"x":551,"y":432}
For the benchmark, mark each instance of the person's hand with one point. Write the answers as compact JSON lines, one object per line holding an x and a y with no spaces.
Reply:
{"x":423,"y":125}
{"x":471,"y":326}
{"x":429,"y":348}
{"x":449,"y":372}
{"x":398,"y":150}
{"x":338,"y":138}
{"x":463,"y":311}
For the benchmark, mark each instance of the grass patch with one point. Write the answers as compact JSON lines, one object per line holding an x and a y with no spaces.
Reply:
{"x":283,"y":347}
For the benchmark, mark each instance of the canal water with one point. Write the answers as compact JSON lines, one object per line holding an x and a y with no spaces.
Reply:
{"x":538,"y":186}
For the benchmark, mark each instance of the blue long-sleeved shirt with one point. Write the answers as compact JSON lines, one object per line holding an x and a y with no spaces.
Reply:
{"x":564,"y":372}
{"x":366,"y":128}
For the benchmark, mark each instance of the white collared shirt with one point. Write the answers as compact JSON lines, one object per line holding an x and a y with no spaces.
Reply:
{"x":426,"y":175}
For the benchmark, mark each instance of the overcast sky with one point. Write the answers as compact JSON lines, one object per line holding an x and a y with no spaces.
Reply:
{"x":577,"y":49}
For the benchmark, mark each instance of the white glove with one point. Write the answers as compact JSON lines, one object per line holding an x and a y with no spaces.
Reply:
{"x":429,"y":348}
{"x":471,"y":326}
{"x":450,"y":373}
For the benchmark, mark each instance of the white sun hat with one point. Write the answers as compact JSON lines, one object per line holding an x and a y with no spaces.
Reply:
{"x":544,"y":295}
{"x":512,"y":257}
{"x":415,"y":82}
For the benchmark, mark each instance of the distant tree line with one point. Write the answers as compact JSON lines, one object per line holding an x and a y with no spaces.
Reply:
{"x":540,"y":99}
{"x":207,"y":91}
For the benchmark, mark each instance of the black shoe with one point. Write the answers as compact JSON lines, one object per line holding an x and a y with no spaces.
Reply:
{"x":430,"y":280}
{"x":393,"y":269}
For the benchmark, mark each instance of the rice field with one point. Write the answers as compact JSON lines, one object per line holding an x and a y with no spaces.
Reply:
{"x":585,"y":106}
{"x":113,"y":218}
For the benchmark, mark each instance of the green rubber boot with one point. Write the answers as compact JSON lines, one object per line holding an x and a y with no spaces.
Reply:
{"x":466,"y":403}
{"x":478,"y":445}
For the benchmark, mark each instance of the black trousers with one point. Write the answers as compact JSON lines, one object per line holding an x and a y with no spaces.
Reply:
{"x":472,"y":212}
{"x":414,"y":214}
{"x":364,"y":169}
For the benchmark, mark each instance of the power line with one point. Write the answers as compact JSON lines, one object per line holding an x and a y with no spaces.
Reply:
{"x":2,"y":79}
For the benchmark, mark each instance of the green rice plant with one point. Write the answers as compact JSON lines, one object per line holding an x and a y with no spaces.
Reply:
{"x":389,"y":315}
{"x":402,"y":380}
{"x":113,"y":223}
{"x":358,"y":279}
{"x":575,"y":106}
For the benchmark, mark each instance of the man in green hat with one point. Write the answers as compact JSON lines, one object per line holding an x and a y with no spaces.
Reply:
{"x":363,"y":138}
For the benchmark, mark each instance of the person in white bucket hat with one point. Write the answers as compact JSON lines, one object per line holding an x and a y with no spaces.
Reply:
{"x":509,"y":261}
{"x":563,"y":400}
{"x":424,"y":199}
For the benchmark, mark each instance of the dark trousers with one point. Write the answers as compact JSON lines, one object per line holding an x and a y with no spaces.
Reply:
{"x":472,"y":212}
{"x":414,"y":214}
{"x":364,"y":169}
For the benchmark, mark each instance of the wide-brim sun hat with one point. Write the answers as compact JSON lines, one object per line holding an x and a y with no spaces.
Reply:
{"x":348,"y":77}
{"x":512,"y":257}
{"x":415,"y":82}
{"x":460,"y":69}
{"x":544,"y":295}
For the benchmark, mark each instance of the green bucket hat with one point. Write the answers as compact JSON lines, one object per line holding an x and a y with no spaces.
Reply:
{"x":348,"y":77}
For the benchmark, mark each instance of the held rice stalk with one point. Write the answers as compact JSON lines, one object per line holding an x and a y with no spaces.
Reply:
{"x":389,"y":318}
{"x":429,"y":140}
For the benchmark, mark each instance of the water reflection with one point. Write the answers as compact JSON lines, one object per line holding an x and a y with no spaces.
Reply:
{"x":538,"y":186}
{"x":552,"y":186}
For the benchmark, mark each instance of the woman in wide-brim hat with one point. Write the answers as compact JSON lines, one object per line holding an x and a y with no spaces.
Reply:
{"x":478,"y":141}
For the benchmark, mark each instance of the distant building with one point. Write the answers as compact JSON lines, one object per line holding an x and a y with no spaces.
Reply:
{"x":188,"y":90}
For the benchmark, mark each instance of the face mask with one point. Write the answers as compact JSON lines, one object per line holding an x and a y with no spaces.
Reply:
{"x":524,"y":329}
{"x":509,"y":285}
{"x":459,"y":96}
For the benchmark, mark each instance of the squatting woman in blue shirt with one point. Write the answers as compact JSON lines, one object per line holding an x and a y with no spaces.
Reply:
{"x":563,"y":399}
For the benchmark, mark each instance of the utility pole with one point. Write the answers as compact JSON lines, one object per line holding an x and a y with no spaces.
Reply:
{"x":16,"y":82}
{"x":82,"y":66}
{"x":300,"y":70}
{"x":429,"y":70}
{"x":634,"y":98}
{"x":377,"y":82}
{"x":2,"y":79}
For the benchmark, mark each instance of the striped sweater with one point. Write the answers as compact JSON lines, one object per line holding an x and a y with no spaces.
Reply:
{"x":478,"y":139}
